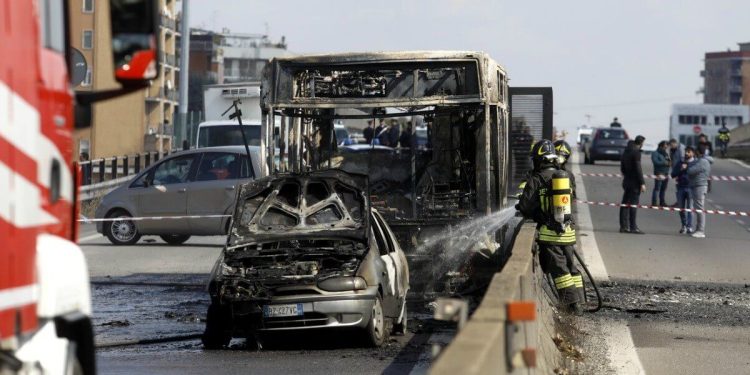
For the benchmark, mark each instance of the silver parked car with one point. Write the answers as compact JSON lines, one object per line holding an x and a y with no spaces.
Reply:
{"x":193,"y":182}
{"x":306,"y":252}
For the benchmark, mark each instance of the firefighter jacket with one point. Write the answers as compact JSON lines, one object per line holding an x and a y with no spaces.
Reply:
{"x":535,"y":202}
{"x":724,"y":134}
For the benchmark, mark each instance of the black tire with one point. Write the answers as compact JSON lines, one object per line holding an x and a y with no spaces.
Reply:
{"x":376,"y":332}
{"x":121,"y":232}
{"x":592,"y":161}
{"x":399,"y":328}
{"x":175,"y":239}
{"x":218,"y":331}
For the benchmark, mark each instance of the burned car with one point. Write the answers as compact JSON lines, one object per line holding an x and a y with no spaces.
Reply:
{"x":305,"y":252}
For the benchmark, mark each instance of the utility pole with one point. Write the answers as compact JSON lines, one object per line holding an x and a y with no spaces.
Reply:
{"x":184,"y":66}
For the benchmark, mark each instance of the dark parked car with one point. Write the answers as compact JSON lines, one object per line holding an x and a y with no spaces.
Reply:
{"x":307,"y":252}
{"x":605,"y":144}
{"x":196,"y":182}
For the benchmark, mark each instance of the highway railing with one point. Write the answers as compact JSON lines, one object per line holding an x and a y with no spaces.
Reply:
{"x":512,"y":329}
{"x":104,"y":174}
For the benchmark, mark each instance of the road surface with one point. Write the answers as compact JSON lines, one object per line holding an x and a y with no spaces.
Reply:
{"x":686,"y":301}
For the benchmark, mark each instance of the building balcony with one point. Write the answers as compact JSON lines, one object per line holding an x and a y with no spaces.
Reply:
{"x":163,"y":95}
{"x":737,"y":72}
{"x":168,"y":23}
{"x":168,"y":59}
{"x":735,"y":88}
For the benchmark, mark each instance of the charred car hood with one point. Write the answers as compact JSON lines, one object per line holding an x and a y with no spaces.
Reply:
{"x":330,"y":203}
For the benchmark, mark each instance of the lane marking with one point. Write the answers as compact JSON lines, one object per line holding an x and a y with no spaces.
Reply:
{"x":740,"y":163}
{"x":90,"y":237}
{"x":589,"y":248}
{"x":623,"y":354}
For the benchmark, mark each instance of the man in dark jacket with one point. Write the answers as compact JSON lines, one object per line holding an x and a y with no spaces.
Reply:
{"x":632,"y":184}
{"x":684,"y":200}
{"x":369,"y":132}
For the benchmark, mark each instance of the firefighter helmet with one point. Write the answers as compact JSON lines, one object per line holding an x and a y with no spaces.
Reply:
{"x":543,"y":153}
{"x":562,"y":149}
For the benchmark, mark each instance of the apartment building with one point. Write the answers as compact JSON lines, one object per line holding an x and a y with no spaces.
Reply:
{"x":227,"y":57}
{"x":138,"y":122}
{"x":727,"y":76}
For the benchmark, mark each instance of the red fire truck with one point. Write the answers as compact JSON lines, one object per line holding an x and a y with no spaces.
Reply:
{"x":45,"y":303}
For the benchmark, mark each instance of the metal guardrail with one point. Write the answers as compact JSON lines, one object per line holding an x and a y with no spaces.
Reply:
{"x":496,"y":339}
{"x":98,"y":171}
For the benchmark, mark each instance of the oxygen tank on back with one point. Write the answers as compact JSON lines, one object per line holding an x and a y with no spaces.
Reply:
{"x":561,"y":195}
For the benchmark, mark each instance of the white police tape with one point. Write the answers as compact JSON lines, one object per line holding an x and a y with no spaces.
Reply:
{"x":182,"y":217}
{"x":652,"y":176}
{"x":665,"y":208}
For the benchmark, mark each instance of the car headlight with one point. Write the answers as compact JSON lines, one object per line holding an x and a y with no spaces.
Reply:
{"x":229,"y":271}
{"x":341,"y":284}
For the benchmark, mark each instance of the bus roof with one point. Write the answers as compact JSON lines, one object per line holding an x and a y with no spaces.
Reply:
{"x":382,"y":79}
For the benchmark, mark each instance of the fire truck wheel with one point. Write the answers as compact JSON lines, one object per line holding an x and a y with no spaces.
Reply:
{"x":121,"y":231}
{"x":175,"y":239}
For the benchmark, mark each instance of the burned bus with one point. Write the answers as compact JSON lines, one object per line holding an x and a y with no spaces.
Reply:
{"x":447,"y":199}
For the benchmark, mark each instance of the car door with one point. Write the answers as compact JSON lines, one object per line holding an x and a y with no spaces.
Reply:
{"x":399,"y":260}
{"x":390,"y":276}
{"x":166,"y":195}
{"x":214,"y":190}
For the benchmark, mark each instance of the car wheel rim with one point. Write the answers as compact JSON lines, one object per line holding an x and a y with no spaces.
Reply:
{"x":377,"y":319}
{"x":123,"y":230}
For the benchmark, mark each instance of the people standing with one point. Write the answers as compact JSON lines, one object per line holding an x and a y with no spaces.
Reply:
{"x":705,"y":148}
{"x":632,"y":184}
{"x":405,"y":138}
{"x":378,"y":131}
{"x":661,"y":160}
{"x":684,"y":202}
{"x":369,"y":132}
{"x":724,"y":137}
{"x":615,"y":124}
{"x":393,"y":134}
{"x":556,"y":239}
{"x":698,"y":170}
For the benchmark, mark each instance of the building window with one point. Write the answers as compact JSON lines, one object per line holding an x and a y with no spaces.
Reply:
{"x":88,"y":6}
{"x":87,"y":78}
{"x":53,"y":24}
{"x":88,"y":39}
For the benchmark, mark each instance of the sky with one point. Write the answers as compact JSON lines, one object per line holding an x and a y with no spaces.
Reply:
{"x":603,"y":58}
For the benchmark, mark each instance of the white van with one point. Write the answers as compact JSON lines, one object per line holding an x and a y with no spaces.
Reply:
{"x":227,"y":133}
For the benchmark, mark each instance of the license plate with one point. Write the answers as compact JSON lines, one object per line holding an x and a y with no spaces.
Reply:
{"x":275,"y":311}
{"x":612,"y":152}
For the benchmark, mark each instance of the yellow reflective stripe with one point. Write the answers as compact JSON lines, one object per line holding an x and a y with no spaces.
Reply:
{"x":578,"y":281}
{"x":563,"y":281}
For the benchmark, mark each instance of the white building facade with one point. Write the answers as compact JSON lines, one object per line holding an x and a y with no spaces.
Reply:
{"x":688,"y":121}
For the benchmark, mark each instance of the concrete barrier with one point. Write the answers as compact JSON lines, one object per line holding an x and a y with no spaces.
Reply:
{"x":490,"y":343}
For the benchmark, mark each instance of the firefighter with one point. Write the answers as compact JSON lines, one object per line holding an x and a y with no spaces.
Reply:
{"x":546,"y":200}
{"x":724,"y":135}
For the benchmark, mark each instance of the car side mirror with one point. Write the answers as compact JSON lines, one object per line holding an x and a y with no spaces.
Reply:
{"x":135,"y":40}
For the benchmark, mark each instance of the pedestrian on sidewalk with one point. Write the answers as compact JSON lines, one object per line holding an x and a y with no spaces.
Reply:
{"x":632,"y":184}
{"x":698,"y":168}
{"x":661,"y":160}
{"x":682,"y":183}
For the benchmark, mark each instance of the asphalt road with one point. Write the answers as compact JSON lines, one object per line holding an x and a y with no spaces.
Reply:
{"x":152,"y":290}
{"x":704,"y":325}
